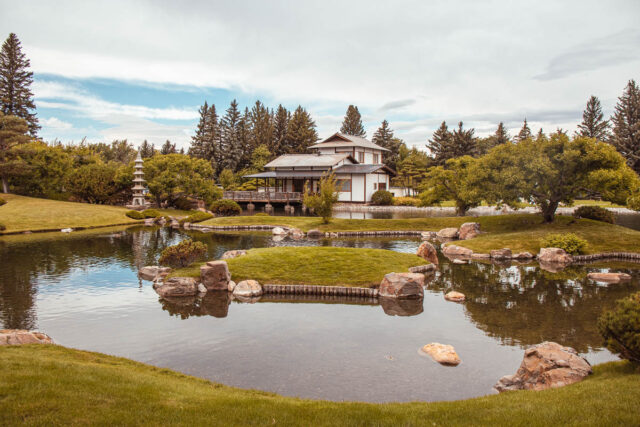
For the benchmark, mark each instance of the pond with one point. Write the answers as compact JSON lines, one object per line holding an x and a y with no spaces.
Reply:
{"x":83,"y":290}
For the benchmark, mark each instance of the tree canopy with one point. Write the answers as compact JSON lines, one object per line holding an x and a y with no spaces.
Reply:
{"x":352,"y":123}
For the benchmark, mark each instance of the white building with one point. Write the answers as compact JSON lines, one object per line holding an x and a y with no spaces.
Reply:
{"x":356,"y":163}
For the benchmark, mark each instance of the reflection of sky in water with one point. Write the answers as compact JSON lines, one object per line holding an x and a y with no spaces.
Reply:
{"x":85,"y":293}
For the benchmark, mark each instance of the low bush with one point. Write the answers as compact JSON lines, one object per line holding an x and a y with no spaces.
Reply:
{"x":135,"y":215}
{"x":597,"y":213}
{"x":225,"y":207}
{"x":382,"y":198}
{"x":2,"y":201}
{"x":620,"y":328}
{"x":183,"y":254}
{"x":183,"y":203}
{"x":406,"y":201}
{"x":198,"y":216}
{"x":151,"y":213}
{"x":571,"y":243}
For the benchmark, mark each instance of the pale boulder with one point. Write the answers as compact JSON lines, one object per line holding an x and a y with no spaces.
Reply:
{"x":523,"y":256}
{"x":296,"y":233}
{"x":468,"y":230}
{"x":178,"y":287}
{"x":447,"y":233}
{"x":247,"y":288}
{"x":609,"y":277}
{"x":402,"y":285}
{"x":278,"y":231}
{"x":22,"y":336}
{"x":454,"y":296}
{"x":554,"y":255}
{"x":442,"y":353}
{"x":427,"y":251}
{"x":232,"y":286}
{"x":150,"y":272}
{"x":457,"y":251}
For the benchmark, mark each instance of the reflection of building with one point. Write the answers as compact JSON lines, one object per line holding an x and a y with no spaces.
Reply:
{"x":355,"y":161}
{"x":138,"y":201}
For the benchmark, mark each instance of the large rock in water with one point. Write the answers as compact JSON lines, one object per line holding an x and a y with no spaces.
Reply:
{"x":468,"y":230}
{"x":22,"y":336}
{"x":442,"y":353}
{"x":150,"y":272}
{"x":448,"y":233}
{"x":278,"y":231}
{"x":554,"y":255}
{"x":609,"y":277}
{"x":248,"y":288}
{"x":427,"y":251}
{"x":457,"y":251}
{"x":215,"y":275}
{"x":454,"y":296}
{"x":546,"y":365}
{"x":233,"y":254}
{"x":178,"y":287}
{"x":402,"y":285}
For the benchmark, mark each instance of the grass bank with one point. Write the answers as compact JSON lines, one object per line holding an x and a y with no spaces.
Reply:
{"x":327,"y":266}
{"x":53,"y":385}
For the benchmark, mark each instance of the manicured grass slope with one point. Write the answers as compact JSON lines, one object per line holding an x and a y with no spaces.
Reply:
{"x":328,"y":266}
{"x":53,"y":385}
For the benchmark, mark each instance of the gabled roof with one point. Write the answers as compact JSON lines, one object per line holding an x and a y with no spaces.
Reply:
{"x":363,"y":169}
{"x":342,"y":140}
{"x":309,"y":160}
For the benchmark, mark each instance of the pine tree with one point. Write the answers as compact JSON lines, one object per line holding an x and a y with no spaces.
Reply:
{"x":440,"y":144}
{"x":541,"y":136}
{"x":463,"y":142}
{"x":261,"y":126}
{"x":525,"y":132}
{"x":626,"y":125}
{"x":384,"y":138}
{"x":280,"y":124}
{"x":13,"y":132}
{"x":230,"y":146}
{"x":245,"y":138}
{"x":301,"y":132}
{"x":501,"y":135}
{"x":352,"y":123}
{"x":168,"y":148}
{"x":196,"y":149}
{"x":593,"y":125}
{"x":16,"y":97}
{"x":147,"y":150}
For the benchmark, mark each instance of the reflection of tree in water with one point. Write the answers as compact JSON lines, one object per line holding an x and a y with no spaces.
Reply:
{"x":213,"y":303}
{"x":523,"y":305}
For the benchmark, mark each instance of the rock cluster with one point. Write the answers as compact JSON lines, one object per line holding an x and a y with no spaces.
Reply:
{"x":442,"y":353}
{"x":546,"y":365}
{"x":22,"y":336}
{"x":402,"y":285}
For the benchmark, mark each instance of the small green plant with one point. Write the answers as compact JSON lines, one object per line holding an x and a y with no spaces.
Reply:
{"x":135,"y":215}
{"x":406,"y":201}
{"x":620,"y":328}
{"x":198,"y":216}
{"x":2,"y":201}
{"x":183,"y":254}
{"x":151,"y":213}
{"x":322,"y":202}
{"x":382,"y":198}
{"x":597,"y":213}
{"x":225,"y":207}
{"x":571,"y":243}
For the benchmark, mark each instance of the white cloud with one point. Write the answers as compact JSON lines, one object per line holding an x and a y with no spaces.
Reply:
{"x":56,"y":124}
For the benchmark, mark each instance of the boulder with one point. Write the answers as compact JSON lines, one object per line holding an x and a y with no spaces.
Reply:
{"x":457,"y":251}
{"x":442,"y":353}
{"x":296,"y":233}
{"x":427,"y":251}
{"x":554,"y":255}
{"x":609,"y":277}
{"x":247,"y":288}
{"x":315,"y":234}
{"x":278,"y":231}
{"x":546,"y":365}
{"x":201,"y":289}
{"x":480,"y":256}
{"x":150,"y":272}
{"x":447,"y":233}
{"x":401,"y":307}
{"x":504,"y":253}
{"x":454,"y":296}
{"x":178,"y":287}
{"x":22,"y":336}
{"x":278,"y":237}
{"x":422,"y":268}
{"x":523,"y":256}
{"x":215,"y":275}
{"x":429,"y":235}
{"x":175,"y":224}
{"x":402,"y":285}
{"x":459,"y":261}
{"x":232,"y":286}
{"x":233,"y":254}
{"x":468,"y":230}
{"x":186,"y":225}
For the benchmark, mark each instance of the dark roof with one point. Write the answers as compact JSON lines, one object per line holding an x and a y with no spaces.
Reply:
{"x":363,"y":169}
{"x":342,"y":140}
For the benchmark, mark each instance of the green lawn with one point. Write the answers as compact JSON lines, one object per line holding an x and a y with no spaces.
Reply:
{"x":31,"y":214}
{"x":327,"y":266}
{"x":53,"y":385}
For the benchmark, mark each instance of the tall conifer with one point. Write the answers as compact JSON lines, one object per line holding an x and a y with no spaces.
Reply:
{"x":168,"y":148}
{"x":230,"y":141}
{"x":626,"y":125}
{"x":280,"y":124}
{"x":593,"y":125}
{"x":525,"y":132}
{"x":352,"y":123}
{"x":463,"y":142}
{"x":261,"y":126}
{"x":384,"y":138}
{"x":301,"y":132}
{"x":147,"y":150}
{"x":198,"y":140}
{"x":440,"y":144}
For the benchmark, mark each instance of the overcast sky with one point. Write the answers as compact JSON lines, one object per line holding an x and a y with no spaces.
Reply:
{"x":140,"y":69}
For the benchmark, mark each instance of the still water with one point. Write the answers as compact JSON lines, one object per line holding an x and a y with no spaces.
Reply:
{"x":83,"y":290}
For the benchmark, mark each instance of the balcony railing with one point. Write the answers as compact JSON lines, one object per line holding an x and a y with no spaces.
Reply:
{"x":263,"y":196}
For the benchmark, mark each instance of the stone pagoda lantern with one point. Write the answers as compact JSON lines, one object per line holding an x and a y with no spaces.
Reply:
{"x":138,"y":201}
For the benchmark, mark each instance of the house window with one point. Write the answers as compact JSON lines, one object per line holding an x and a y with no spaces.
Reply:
{"x":375,"y":159}
{"x":344,"y":185}
{"x":361,"y":157}
{"x":382,"y":186}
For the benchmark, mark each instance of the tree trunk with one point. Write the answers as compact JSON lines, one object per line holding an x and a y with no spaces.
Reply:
{"x":5,"y":185}
{"x":549,"y":211}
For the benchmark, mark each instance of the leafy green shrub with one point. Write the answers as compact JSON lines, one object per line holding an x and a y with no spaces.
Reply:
{"x":135,"y":215}
{"x":183,"y":254}
{"x":198,"y":216}
{"x":595,"y":212}
{"x":225,"y":207}
{"x":151,"y":213}
{"x":382,"y":198}
{"x":406,"y":201}
{"x":183,"y":203}
{"x":571,"y":243}
{"x":633,"y":202}
{"x":620,"y":328}
{"x":2,"y":201}
{"x":321,"y":203}
{"x":2,"y":227}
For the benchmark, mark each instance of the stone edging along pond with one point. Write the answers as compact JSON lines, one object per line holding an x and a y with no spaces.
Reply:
{"x":319,"y":290}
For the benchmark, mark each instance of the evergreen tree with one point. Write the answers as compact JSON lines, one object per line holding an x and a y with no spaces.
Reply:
{"x":245,"y":138}
{"x":16,"y":98}
{"x":230,"y":143}
{"x":541,"y":136}
{"x":463,"y":142}
{"x":352,"y":123}
{"x":626,"y":125}
{"x":440,"y":144}
{"x":593,"y":125}
{"x":147,"y":150}
{"x":168,"y":148}
{"x":196,"y":148}
{"x":525,"y":132}
{"x":501,"y":136}
{"x":280,"y":124}
{"x":301,"y":132}
{"x":13,"y":132}
{"x":384,"y":138}
{"x":261,"y":126}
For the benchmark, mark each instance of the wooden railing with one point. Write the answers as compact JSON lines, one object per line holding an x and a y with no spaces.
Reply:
{"x":263,"y":196}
